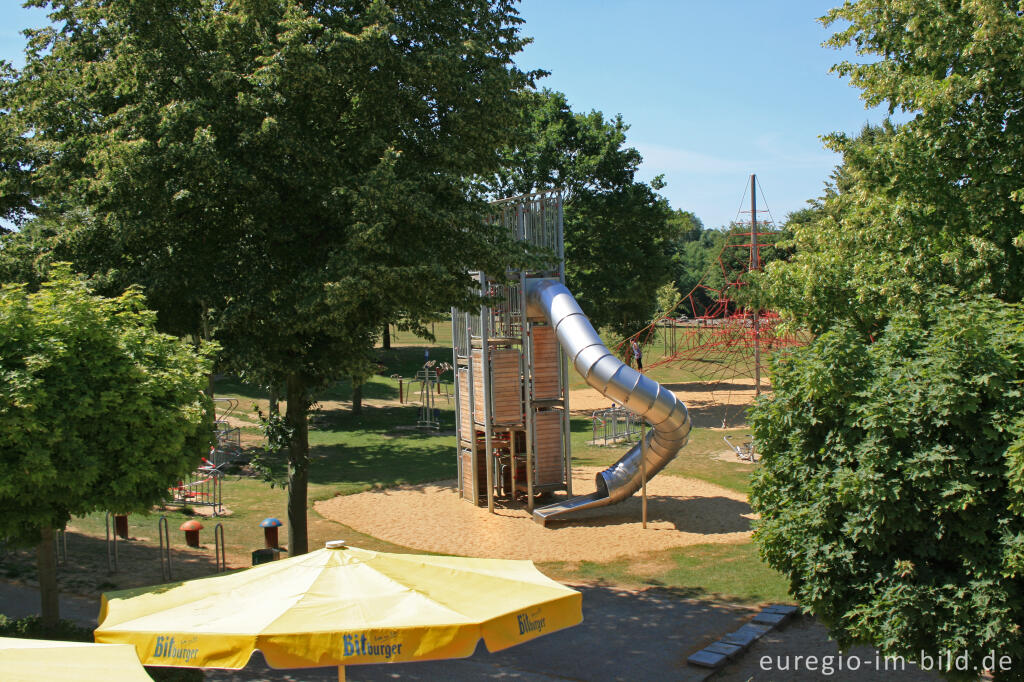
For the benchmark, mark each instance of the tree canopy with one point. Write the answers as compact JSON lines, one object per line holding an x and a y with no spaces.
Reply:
{"x":890,"y":484}
{"x":617,"y":229}
{"x":937,"y":200}
{"x":891,"y":487}
{"x":283,"y":176}
{"x":98,"y":410}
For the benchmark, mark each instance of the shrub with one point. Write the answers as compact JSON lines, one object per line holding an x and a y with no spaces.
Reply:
{"x":892,"y":476}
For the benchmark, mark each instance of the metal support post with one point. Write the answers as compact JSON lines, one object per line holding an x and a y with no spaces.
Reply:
{"x":111,"y":545}
{"x":564,"y":361}
{"x":643,"y":473}
{"x":164,"y":530}
{"x":485,"y":375}
{"x":755,"y":264}
{"x":528,"y":411}
{"x":219,"y":548}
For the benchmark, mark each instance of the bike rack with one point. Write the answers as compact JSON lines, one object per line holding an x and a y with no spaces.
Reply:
{"x":163,"y":529}
{"x":220,"y":550}
{"x":111,"y":545}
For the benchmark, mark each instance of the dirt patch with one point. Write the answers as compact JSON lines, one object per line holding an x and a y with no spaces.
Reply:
{"x":432,"y":518}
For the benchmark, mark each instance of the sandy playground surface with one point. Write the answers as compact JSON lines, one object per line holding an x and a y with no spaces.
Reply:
{"x":432,"y":518}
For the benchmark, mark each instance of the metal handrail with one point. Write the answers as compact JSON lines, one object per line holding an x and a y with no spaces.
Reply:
{"x":111,"y":545}
{"x":164,"y":529}
{"x":220,"y":549}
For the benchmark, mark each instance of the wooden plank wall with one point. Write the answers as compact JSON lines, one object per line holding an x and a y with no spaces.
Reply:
{"x":549,"y":447}
{"x":545,"y":362}
{"x":465,"y":421}
{"x":478,"y":385}
{"x":507,"y":385}
{"x":467,"y":474}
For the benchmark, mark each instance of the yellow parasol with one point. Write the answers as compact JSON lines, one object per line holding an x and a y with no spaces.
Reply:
{"x":340,"y":606}
{"x":31,"y":660}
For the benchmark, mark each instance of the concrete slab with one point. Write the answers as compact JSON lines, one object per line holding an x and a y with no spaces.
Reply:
{"x":707,"y":659}
{"x":770,"y":619}
{"x":785,"y":656}
{"x":746,"y":635}
{"x":788,"y":609}
{"x":730,"y":650}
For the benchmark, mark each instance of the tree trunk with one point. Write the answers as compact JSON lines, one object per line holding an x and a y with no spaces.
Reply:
{"x":275,"y":397}
{"x":357,"y":396}
{"x":46,"y":566}
{"x":386,"y":340}
{"x":298,"y":465}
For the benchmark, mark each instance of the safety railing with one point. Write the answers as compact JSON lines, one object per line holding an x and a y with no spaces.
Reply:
{"x":614,"y":424}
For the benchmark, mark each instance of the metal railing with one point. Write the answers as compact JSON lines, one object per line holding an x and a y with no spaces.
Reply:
{"x":615,"y":424}
{"x":198,"y":489}
{"x":163,"y":529}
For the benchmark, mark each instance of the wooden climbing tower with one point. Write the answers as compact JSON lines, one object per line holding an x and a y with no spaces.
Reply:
{"x":511,"y":378}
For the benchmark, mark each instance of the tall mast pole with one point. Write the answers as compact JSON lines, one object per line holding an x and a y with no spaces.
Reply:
{"x":755,"y":264}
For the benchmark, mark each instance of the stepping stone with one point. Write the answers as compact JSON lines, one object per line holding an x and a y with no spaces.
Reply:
{"x":707,"y":659}
{"x":746,"y":635}
{"x":720,"y":647}
{"x":770,"y":619}
{"x":788,"y":609}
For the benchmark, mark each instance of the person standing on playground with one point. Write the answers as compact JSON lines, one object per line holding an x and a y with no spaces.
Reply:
{"x":637,"y":355}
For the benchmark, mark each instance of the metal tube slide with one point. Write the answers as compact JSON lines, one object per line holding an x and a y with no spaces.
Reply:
{"x":658,"y":406}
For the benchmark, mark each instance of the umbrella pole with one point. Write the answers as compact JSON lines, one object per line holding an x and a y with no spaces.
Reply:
{"x":341,"y":673}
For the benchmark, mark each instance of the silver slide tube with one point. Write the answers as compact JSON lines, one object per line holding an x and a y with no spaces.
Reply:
{"x":658,"y":406}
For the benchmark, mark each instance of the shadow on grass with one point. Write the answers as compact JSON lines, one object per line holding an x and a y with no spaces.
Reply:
{"x":382,"y":465}
{"x":85,"y":571}
{"x":378,"y":448}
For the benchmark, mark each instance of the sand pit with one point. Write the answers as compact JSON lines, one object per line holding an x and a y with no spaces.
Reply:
{"x":432,"y":518}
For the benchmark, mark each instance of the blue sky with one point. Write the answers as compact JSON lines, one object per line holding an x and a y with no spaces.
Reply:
{"x":712,"y":91}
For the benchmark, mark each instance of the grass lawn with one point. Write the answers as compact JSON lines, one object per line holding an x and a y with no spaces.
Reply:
{"x":378,"y":449}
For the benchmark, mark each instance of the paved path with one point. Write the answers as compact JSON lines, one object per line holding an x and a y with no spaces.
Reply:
{"x":624,"y":636}
{"x":18,"y":601}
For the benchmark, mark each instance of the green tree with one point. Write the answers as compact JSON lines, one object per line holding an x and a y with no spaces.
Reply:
{"x":891,"y":480}
{"x":15,"y":158}
{"x":617,"y":230}
{"x":695,"y":262}
{"x":667,"y":296}
{"x":937,"y":200}
{"x":284,"y":176}
{"x":98,"y":411}
{"x":955,"y":173}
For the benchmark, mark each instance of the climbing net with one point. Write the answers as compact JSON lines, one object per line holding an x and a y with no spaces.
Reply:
{"x":712,"y":336}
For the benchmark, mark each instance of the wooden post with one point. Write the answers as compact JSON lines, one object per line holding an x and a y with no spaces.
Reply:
{"x":755,"y":264}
